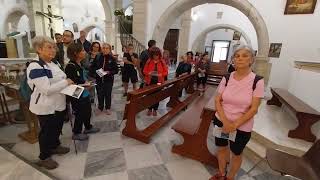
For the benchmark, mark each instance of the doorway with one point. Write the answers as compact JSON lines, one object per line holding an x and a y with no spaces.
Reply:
{"x":171,"y":43}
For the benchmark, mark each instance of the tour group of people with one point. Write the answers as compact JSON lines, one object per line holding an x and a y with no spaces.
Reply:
{"x":94,"y":66}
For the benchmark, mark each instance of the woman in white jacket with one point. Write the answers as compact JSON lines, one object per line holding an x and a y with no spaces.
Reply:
{"x":46,"y":80}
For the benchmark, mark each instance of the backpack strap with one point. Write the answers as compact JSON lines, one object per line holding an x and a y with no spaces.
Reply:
{"x":255,"y":81}
{"x":41,"y":63}
{"x":227,"y":77}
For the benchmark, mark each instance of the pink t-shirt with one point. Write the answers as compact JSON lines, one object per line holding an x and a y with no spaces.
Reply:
{"x":237,"y":98}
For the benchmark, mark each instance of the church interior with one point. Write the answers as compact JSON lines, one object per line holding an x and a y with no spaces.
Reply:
{"x":166,"y":129}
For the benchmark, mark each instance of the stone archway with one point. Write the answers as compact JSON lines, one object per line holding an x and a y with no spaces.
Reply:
{"x":88,"y":28}
{"x":180,"y":6}
{"x":13,"y":17}
{"x":198,"y":43}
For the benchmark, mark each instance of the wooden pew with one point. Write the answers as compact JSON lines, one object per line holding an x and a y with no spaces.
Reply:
{"x":305,"y":114}
{"x":141,"y":99}
{"x":194,"y":125}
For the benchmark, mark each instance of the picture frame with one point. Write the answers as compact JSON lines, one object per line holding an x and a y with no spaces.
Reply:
{"x":236,"y":36}
{"x":300,"y":6}
{"x":275,"y":50}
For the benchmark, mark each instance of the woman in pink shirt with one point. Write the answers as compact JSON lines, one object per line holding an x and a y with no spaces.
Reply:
{"x":237,"y":101}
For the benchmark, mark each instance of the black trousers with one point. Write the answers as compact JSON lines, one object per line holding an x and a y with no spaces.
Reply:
{"x":201,"y":80}
{"x":51,"y":126}
{"x":104,"y":90}
{"x":82,"y":111}
{"x":155,"y":106}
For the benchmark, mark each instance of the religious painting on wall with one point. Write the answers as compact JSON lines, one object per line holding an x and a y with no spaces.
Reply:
{"x":275,"y":50}
{"x":236,"y":35}
{"x":300,"y":6}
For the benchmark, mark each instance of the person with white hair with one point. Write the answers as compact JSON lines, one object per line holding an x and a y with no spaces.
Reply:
{"x":46,"y":80}
{"x":237,"y":101}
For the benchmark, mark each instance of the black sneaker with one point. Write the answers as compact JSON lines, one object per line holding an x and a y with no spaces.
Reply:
{"x":91,"y":131}
{"x":125,"y":94}
{"x":48,"y":163}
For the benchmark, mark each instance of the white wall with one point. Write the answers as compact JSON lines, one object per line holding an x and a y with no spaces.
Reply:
{"x":207,"y":17}
{"x":95,"y":9}
{"x":222,"y":34}
{"x":7,"y":6}
{"x":300,"y":37}
{"x":156,"y":8}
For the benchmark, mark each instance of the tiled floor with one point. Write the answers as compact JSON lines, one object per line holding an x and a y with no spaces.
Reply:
{"x":108,"y":155}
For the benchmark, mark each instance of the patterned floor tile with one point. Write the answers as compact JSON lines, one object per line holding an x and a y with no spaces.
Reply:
{"x":71,"y":166}
{"x":105,"y":162}
{"x":159,"y":172}
{"x":114,"y":176}
{"x":164,"y":150}
{"x":141,"y":156}
{"x":107,"y":126}
{"x":104,"y":141}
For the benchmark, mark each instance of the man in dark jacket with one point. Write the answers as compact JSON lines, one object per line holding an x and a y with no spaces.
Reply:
{"x":144,"y":56}
{"x":85,"y":43}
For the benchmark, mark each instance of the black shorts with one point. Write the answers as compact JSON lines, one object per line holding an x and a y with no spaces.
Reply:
{"x":129,"y":74}
{"x":240,"y":143}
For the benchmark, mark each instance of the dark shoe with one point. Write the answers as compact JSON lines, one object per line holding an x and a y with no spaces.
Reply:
{"x":80,"y":137}
{"x":91,"y":131}
{"x":48,"y":163}
{"x":149,"y":112}
{"x":125,"y":94}
{"x":60,"y":150}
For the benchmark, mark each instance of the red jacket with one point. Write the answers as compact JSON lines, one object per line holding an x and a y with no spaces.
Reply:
{"x":149,"y":67}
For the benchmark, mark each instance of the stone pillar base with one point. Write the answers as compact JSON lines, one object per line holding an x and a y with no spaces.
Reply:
{"x":262,"y":67}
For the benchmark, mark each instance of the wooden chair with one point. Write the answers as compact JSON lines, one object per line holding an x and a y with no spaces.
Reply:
{"x":306,"y":167}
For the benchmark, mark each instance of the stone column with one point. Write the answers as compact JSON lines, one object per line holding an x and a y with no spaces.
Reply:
{"x":184,"y":33}
{"x":110,"y":32}
{"x":140,"y":20}
{"x":262,"y":67}
{"x":117,"y":42}
{"x":37,"y":23}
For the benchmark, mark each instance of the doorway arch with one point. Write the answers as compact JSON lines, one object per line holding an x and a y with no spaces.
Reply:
{"x":13,"y":17}
{"x":198,"y":43}
{"x":180,"y":6}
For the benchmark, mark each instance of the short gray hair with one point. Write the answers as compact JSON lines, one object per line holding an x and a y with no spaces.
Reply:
{"x":39,"y":41}
{"x":244,"y":47}
{"x":247,"y":48}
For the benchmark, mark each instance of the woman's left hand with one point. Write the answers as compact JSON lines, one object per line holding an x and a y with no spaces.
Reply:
{"x":230,"y":127}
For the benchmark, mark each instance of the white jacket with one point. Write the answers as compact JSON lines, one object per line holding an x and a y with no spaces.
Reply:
{"x":47,"y":82}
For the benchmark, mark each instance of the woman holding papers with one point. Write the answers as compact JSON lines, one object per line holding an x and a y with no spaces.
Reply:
{"x":237,"y":101}
{"x":81,"y":106}
{"x":155,"y":71}
{"x":105,"y":67}
{"x":46,"y":80}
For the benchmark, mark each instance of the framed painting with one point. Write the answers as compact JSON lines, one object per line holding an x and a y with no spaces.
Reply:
{"x":275,"y":50}
{"x":300,"y":6}
{"x":236,"y":35}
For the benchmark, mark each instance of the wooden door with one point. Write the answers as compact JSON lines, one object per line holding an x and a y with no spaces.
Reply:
{"x":171,"y":43}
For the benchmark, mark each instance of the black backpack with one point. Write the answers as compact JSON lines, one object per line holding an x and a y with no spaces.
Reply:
{"x":256,"y":79}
